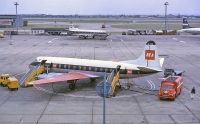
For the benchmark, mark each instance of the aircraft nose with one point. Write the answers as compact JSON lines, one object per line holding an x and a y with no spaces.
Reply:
{"x":33,"y":64}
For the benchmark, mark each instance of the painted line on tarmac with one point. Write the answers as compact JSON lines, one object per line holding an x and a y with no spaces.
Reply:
{"x":174,"y":39}
{"x":19,"y":73}
{"x":182,"y":41}
{"x":196,"y":95}
{"x":51,"y":41}
{"x":153,"y":84}
{"x":150,"y":85}
{"x":128,"y":96}
{"x":83,"y":96}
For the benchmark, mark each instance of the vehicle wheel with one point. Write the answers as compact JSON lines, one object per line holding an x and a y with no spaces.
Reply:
{"x":123,"y":33}
{"x":92,"y":80}
{"x":114,"y":94}
{"x":172,"y":99}
{"x":72,"y":86}
{"x":12,"y":89}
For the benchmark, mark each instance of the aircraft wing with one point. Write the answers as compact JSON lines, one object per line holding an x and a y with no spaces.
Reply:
{"x":64,"y":77}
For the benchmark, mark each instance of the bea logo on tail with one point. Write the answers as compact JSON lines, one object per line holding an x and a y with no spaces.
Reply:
{"x":150,"y":54}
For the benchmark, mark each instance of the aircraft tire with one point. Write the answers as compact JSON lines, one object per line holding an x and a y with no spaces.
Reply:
{"x":72,"y":86}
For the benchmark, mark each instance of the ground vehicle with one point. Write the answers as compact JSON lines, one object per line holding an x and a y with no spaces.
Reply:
{"x":123,"y":33}
{"x":131,"y":32}
{"x":13,"y":83}
{"x":4,"y":79}
{"x":1,"y":34}
{"x":172,"y":72}
{"x":171,"y":87}
{"x":103,"y":26}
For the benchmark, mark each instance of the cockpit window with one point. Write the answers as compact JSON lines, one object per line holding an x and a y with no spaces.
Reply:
{"x":35,"y":63}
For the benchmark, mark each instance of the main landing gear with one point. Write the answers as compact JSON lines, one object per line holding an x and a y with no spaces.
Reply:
{"x":72,"y":84}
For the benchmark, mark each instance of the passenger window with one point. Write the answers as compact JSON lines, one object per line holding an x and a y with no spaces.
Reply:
{"x":65,"y":66}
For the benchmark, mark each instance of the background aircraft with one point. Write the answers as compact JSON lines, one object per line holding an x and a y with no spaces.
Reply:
{"x":84,"y":33}
{"x":187,"y":29}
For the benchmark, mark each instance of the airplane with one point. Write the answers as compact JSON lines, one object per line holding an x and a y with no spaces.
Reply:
{"x":59,"y":69}
{"x":85,"y":33}
{"x":187,"y":29}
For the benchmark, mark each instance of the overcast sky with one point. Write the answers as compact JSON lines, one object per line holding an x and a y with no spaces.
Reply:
{"x":103,"y":7}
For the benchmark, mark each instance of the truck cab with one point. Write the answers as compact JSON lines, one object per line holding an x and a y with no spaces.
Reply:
{"x":10,"y":81}
{"x":171,"y":87}
{"x":4,"y":79}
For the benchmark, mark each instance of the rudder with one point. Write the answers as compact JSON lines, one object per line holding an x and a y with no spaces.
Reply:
{"x":185,"y":23}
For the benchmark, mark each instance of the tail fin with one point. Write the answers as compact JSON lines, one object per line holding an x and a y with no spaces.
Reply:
{"x":185,"y":23}
{"x":71,"y":26}
{"x":149,"y":57}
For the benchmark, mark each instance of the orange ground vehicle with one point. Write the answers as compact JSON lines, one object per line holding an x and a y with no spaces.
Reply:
{"x":171,"y":87}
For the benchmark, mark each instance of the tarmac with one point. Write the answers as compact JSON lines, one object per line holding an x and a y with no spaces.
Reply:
{"x":56,"y":104}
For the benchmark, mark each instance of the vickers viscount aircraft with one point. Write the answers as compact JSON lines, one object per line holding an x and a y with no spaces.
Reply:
{"x":59,"y":69}
{"x":85,"y":33}
{"x":188,"y":29}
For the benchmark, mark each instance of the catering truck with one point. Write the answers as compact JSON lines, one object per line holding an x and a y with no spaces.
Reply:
{"x":171,"y":87}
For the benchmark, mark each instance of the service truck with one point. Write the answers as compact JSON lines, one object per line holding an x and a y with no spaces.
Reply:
{"x":10,"y":81}
{"x":171,"y":87}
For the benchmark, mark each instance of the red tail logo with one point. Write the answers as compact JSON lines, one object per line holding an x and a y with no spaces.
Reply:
{"x":150,"y":54}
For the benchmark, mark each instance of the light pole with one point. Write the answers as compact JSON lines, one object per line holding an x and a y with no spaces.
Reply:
{"x":16,"y":21}
{"x":166,"y":4}
{"x":104,"y":102}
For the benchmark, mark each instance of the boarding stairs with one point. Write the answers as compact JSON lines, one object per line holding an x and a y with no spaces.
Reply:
{"x":31,"y":75}
{"x":113,"y":79}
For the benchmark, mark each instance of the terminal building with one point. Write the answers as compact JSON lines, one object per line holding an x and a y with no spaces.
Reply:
{"x":10,"y":21}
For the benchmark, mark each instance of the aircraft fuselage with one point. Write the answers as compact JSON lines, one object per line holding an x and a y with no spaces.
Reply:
{"x":96,"y":67}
